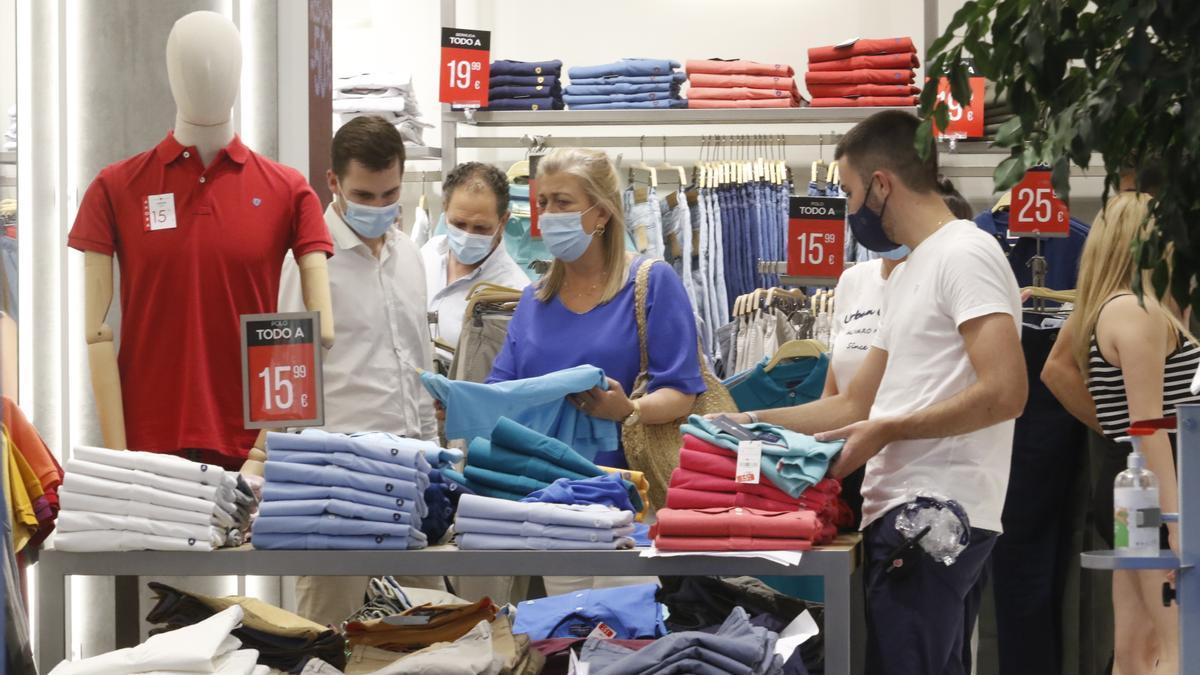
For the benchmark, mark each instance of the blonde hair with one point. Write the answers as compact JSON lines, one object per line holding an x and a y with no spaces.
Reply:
{"x":1107,"y":266}
{"x":602,"y":186}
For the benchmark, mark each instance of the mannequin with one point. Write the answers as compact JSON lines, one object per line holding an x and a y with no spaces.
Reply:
{"x":204,"y":58}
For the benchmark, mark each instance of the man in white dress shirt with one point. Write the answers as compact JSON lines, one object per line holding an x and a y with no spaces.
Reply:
{"x":372,"y":381}
{"x":475,"y":199}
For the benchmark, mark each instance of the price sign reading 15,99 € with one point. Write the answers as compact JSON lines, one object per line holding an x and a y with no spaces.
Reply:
{"x":816,"y":240}
{"x":281,"y":370}
{"x":466,"y":66}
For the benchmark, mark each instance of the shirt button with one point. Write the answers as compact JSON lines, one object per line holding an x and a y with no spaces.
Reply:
{"x":203,"y":179}
{"x":186,"y":154}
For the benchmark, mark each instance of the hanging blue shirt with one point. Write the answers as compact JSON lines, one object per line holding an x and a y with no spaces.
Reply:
{"x":538,"y":402}
{"x":544,"y":337}
{"x":1062,"y":254}
{"x":790,"y":383}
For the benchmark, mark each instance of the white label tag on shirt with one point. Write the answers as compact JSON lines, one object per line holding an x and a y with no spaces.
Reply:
{"x":845,"y":44}
{"x":160,"y":212}
{"x":749,"y":461}
{"x":602,"y":631}
{"x":575,"y":666}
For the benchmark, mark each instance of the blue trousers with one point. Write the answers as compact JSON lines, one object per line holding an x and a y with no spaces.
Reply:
{"x":922,"y":622}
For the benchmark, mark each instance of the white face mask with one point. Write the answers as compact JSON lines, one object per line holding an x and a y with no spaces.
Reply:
{"x":564,"y":234}
{"x":370,"y":221}
{"x":468,"y":248}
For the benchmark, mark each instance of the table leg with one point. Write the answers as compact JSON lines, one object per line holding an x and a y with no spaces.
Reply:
{"x":837,"y":624}
{"x":52,"y":615}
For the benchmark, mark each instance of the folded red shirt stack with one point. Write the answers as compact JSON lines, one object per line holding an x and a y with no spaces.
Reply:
{"x":865,"y":73}
{"x":718,"y":83}
{"x":736,"y":529}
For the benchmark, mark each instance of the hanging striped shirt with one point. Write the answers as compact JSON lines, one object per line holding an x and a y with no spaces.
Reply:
{"x":1107,"y":385}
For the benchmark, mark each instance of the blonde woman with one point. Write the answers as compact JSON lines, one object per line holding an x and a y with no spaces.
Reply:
{"x":1138,"y":360}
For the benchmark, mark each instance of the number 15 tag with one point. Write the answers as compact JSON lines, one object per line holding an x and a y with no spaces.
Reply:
{"x":160,"y":212}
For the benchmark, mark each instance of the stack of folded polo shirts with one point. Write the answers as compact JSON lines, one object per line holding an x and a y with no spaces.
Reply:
{"x":626,"y":84}
{"x":863,"y":73}
{"x":719,"y":83}
{"x":283,"y":640}
{"x":335,"y":491}
{"x":126,"y":501}
{"x":518,"y":461}
{"x":387,"y":95}
{"x":525,"y":85}
{"x":486,"y":523}
{"x":737,"y":528}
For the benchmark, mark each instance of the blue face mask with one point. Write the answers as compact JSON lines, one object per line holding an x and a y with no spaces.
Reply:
{"x":899,"y":253}
{"x":564,"y":234}
{"x":370,"y":222}
{"x":867,"y":226}
{"x":468,"y":248}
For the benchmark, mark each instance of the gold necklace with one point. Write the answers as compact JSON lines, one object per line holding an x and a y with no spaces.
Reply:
{"x":590,"y":289}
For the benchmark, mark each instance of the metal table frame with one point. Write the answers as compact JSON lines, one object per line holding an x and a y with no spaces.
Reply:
{"x":839,"y":565}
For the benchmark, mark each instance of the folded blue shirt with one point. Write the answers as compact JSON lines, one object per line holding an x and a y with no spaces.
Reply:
{"x":517,"y":437}
{"x":504,"y":542}
{"x":333,"y":476}
{"x":627,"y":67}
{"x":321,"y":542}
{"x":631,"y":611}
{"x":332,"y":525}
{"x":479,"y":489}
{"x":522,"y":80}
{"x":348,"y":461}
{"x":338,"y":507}
{"x":539,"y":403}
{"x":506,"y":482}
{"x":665,"y":88}
{"x":618,"y":98}
{"x":792,"y":464}
{"x":506,"y":67}
{"x":633,"y":105}
{"x":382,"y":447}
{"x":485,"y":454}
{"x":607,"y":489}
{"x":279,"y":491}
{"x":515,"y":528}
{"x":676,"y":77}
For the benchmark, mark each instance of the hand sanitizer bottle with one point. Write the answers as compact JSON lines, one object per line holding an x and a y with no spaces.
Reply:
{"x":1136,"y":514}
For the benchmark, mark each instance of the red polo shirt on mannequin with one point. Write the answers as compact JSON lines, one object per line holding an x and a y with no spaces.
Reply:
{"x":197,"y":247}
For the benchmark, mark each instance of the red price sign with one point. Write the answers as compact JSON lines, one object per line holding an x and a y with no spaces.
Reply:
{"x":281,"y":370}
{"x":964,"y":122}
{"x":1035,"y":210}
{"x":816,"y":239}
{"x":466,"y":66}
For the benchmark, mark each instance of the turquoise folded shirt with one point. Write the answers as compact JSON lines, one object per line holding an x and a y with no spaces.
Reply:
{"x":539,"y":403}
{"x":792,"y":465}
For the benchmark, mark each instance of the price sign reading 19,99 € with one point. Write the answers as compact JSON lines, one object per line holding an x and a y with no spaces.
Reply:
{"x":281,"y":370}
{"x":466,"y":66}
{"x":964,"y":121}
{"x":816,"y":240}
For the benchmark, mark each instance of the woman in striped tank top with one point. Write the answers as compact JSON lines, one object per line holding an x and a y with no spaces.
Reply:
{"x":1139,"y":360}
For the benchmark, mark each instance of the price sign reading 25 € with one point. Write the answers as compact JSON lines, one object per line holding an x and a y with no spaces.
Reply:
{"x":816,"y":240}
{"x":1035,"y":210}
{"x":466,"y":66}
{"x":281,"y":370}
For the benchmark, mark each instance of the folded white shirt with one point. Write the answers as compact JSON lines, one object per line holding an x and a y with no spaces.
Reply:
{"x":70,"y":500}
{"x":195,"y":648}
{"x":395,"y":104}
{"x":78,"y":482}
{"x":124,"y":540}
{"x":382,"y":80}
{"x":163,"y":465}
{"x":465,"y":525}
{"x":221,"y":496}
{"x":71,"y":520}
{"x":571,"y":515}
{"x":240,"y":662}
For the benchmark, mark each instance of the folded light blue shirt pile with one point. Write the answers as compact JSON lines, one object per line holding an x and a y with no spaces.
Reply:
{"x":792,"y":462}
{"x":336,"y":491}
{"x":539,"y":403}
{"x":484,"y":523}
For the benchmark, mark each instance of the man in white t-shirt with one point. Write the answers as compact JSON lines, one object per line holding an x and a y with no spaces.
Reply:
{"x":931,"y":410}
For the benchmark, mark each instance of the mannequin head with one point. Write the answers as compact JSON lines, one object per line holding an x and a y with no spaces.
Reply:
{"x":204,"y":66}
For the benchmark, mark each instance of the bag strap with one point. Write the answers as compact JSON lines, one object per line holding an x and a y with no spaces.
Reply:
{"x":641,"y":292}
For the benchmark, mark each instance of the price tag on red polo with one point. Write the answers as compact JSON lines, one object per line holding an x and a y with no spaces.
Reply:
{"x":534,"y":230}
{"x":466,"y":66}
{"x":749,"y":462}
{"x":965,"y":121}
{"x":281,"y":370}
{"x":816,"y":240}
{"x":1035,"y":210}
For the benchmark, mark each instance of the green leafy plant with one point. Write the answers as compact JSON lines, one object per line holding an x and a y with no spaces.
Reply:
{"x":1116,"y":78}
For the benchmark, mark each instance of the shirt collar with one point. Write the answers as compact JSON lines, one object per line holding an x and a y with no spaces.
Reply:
{"x":169,"y":149}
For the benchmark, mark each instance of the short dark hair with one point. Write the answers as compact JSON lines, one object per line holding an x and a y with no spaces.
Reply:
{"x":371,"y":140}
{"x":886,"y":140}
{"x":477,"y":176}
{"x":957,"y":203}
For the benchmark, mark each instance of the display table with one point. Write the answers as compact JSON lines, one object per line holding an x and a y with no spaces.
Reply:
{"x":837,"y":564}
